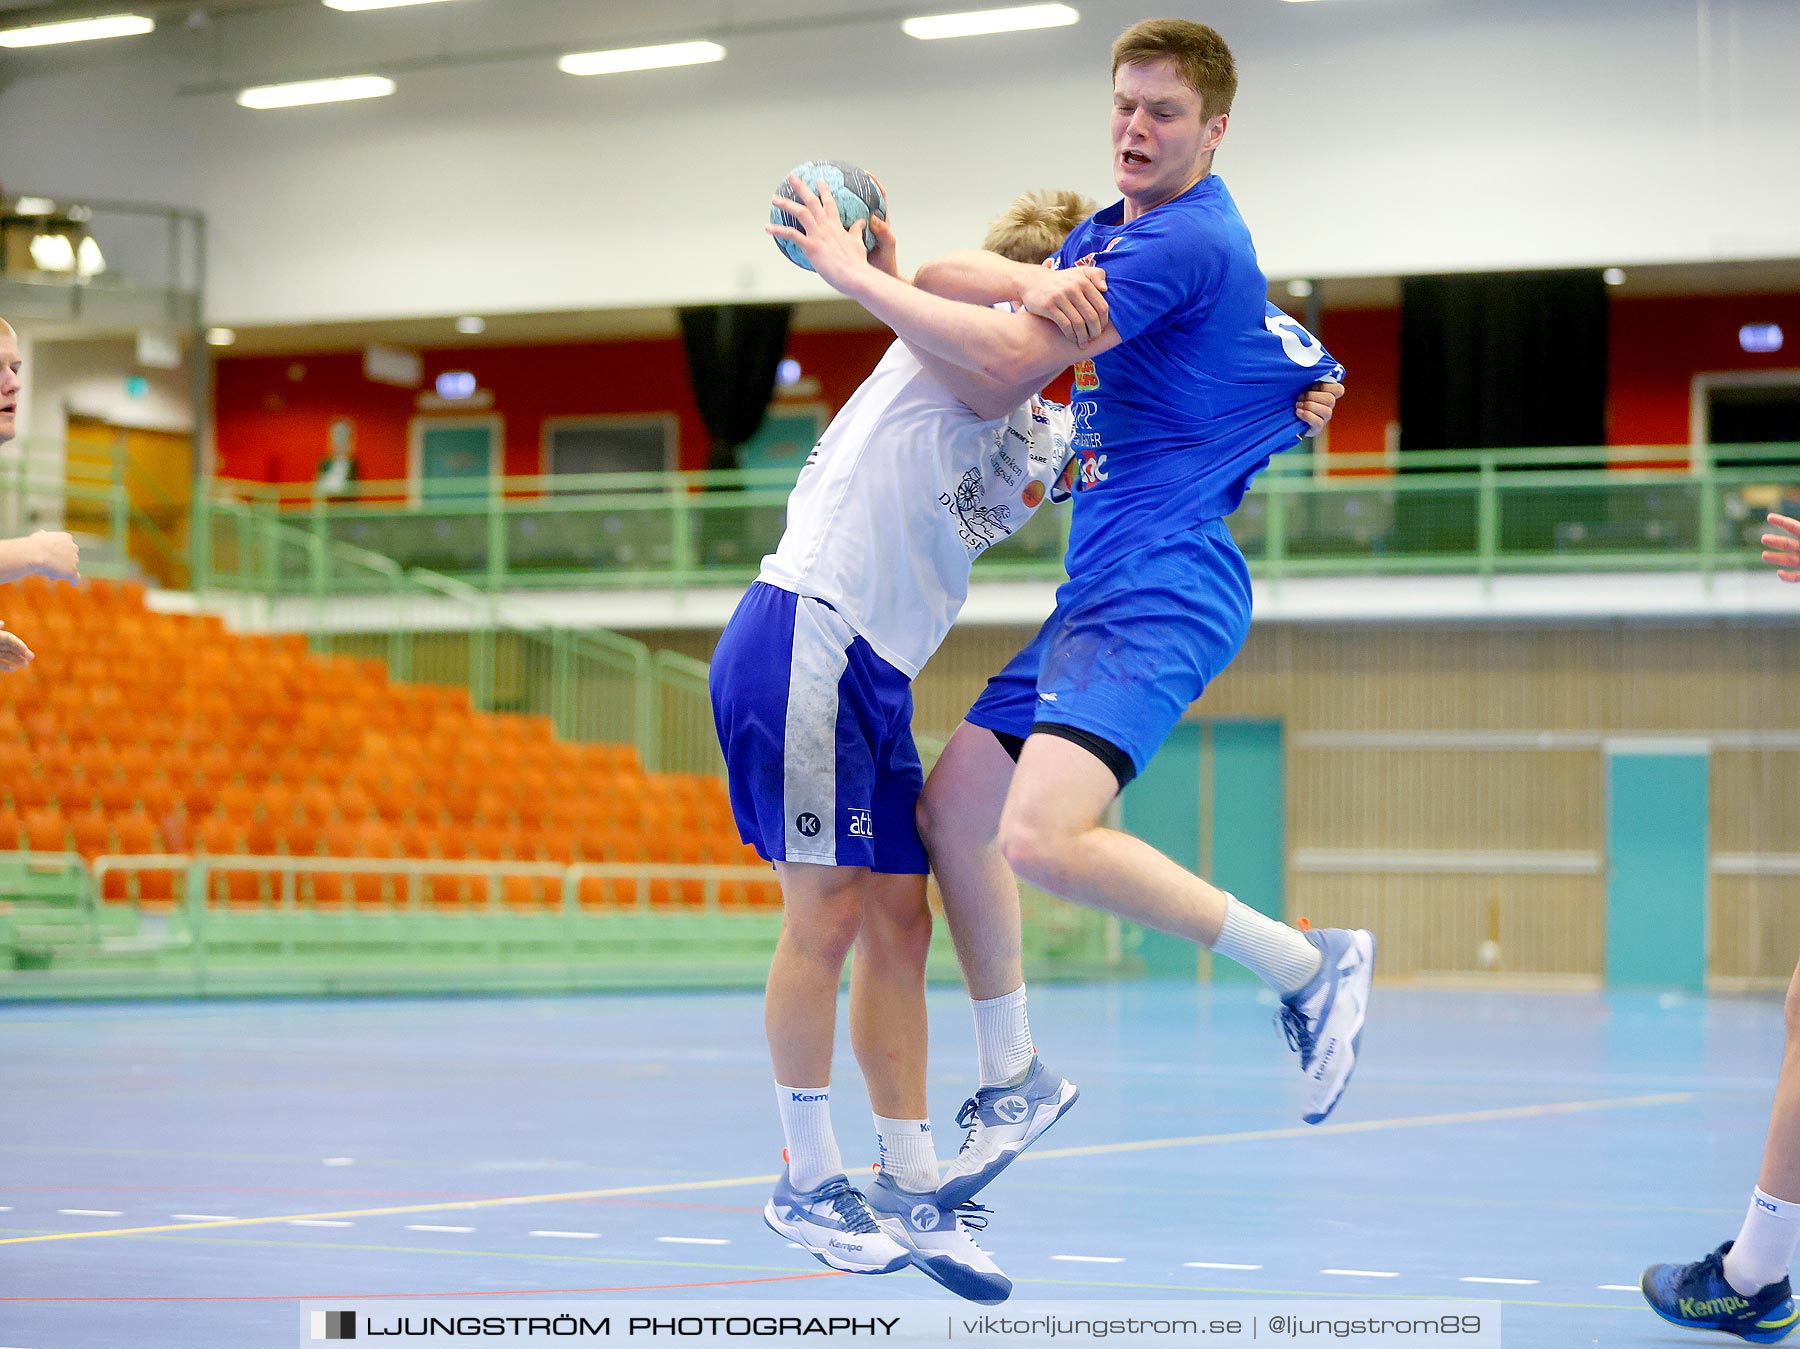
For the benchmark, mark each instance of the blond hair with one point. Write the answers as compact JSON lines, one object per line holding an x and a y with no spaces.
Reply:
{"x":1035,"y":225}
{"x":1200,"y":55}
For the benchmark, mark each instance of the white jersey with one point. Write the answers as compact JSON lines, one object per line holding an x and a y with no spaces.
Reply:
{"x":905,"y":490}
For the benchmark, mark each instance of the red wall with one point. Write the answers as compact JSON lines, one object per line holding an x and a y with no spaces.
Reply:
{"x":273,"y":413}
{"x":1367,"y":342}
{"x":272,"y":427}
{"x":1657,"y":346}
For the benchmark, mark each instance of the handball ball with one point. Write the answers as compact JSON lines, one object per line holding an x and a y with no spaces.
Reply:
{"x":858,"y":196}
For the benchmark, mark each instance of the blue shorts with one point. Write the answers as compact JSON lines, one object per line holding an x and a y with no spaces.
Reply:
{"x":1130,"y":647}
{"x":817,"y":734}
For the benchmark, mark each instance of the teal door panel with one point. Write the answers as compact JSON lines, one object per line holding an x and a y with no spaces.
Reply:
{"x":455,"y":461}
{"x":1656,"y":881}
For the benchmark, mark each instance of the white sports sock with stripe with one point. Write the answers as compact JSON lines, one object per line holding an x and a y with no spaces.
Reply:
{"x":1003,"y":1038}
{"x":908,"y":1153}
{"x":1765,"y":1245}
{"x":812,"y":1150}
{"x":1274,"y":952}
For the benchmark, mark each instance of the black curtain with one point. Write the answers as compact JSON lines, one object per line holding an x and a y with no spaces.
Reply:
{"x":732,"y":352}
{"x":1496,"y":361}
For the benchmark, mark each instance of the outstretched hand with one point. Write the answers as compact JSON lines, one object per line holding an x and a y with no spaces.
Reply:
{"x":837,"y":254}
{"x":1783,"y":549}
{"x":14,"y":654}
{"x":1317,"y":404}
{"x":58,"y":555}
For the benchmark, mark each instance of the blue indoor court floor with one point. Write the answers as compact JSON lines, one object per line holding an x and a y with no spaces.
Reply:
{"x":189,"y":1173}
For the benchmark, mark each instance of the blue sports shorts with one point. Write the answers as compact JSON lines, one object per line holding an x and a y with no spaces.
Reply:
{"x":817,"y":734}
{"x":1130,"y":647}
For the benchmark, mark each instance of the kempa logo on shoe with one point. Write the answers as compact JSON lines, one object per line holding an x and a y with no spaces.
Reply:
{"x":1011,"y":1108}
{"x":1695,"y":1308}
{"x":925,"y":1217}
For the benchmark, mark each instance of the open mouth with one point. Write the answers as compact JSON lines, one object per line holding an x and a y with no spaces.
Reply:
{"x":1135,"y":159}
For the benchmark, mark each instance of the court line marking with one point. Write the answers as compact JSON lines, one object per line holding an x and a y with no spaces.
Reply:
{"x":583,"y":1236}
{"x":1210,"y":1264}
{"x":1478,"y":1278}
{"x":1546,"y":1110}
{"x":1619,"y":1288}
{"x":439,"y":1251}
{"x":1510,"y":1112}
{"x":1364,"y":1273}
{"x":204,"y":1217}
{"x":432,"y":1227}
{"x":1092,"y":1259}
{"x":696,"y":1241}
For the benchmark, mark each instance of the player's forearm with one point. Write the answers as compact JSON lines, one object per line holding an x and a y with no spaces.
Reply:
{"x":19,"y":558}
{"x":971,"y":336}
{"x":986,"y":398}
{"x":975,"y":276}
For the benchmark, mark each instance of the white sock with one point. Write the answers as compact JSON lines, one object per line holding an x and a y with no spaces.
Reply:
{"x":908,"y":1154}
{"x":1274,"y":952}
{"x":812,"y":1150}
{"x":1765,"y":1244}
{"x":1003,"y":1038}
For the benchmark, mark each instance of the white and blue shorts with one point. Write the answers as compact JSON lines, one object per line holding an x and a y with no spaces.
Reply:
{"x":817,"y":734}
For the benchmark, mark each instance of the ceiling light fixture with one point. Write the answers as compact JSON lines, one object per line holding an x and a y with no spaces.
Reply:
{"x":52,"y":252}
{"x":974,"y":23}
{"x":1761,"y":338}
{"x":640,"y":58}
{"x":1613,"y":276}
{"x":358,"y":5}
{"x":305,"y":92}
{"x":470,"y":325}
{"x":220,"y":337}
{"x":77,"y":30}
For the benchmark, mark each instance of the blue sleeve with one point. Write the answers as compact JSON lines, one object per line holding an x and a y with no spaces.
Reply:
{"x":1162,"y":269}
{"x":1065,"y":255}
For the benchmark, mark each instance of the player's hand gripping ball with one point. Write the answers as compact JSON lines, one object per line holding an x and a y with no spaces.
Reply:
{"x":858,"y":196}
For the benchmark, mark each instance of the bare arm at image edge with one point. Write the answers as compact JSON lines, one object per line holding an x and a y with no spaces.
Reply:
{"x":49,"y":552}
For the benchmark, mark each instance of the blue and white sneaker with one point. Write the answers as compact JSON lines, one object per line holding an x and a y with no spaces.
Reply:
{"x":1324,"y":1020}
{"x":937,"y":1234}
{"x":834,"y":1223}
{"x":1698,"y":1297}
{"x":1003,"y":1122}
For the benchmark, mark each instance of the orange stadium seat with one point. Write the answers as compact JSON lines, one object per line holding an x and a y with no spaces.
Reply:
{"x":91,"y":832}
{"x":46,"y":830}
{"x":256,"y":745}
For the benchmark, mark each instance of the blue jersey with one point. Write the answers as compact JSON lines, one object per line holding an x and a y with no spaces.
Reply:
{"x":1173,"y":423}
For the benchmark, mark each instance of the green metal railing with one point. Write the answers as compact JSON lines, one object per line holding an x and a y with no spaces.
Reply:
{"x":593,"y":684}
{"x":92,"y":496}
{"x":257,"y":925}
{"x":1480,"y":512}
